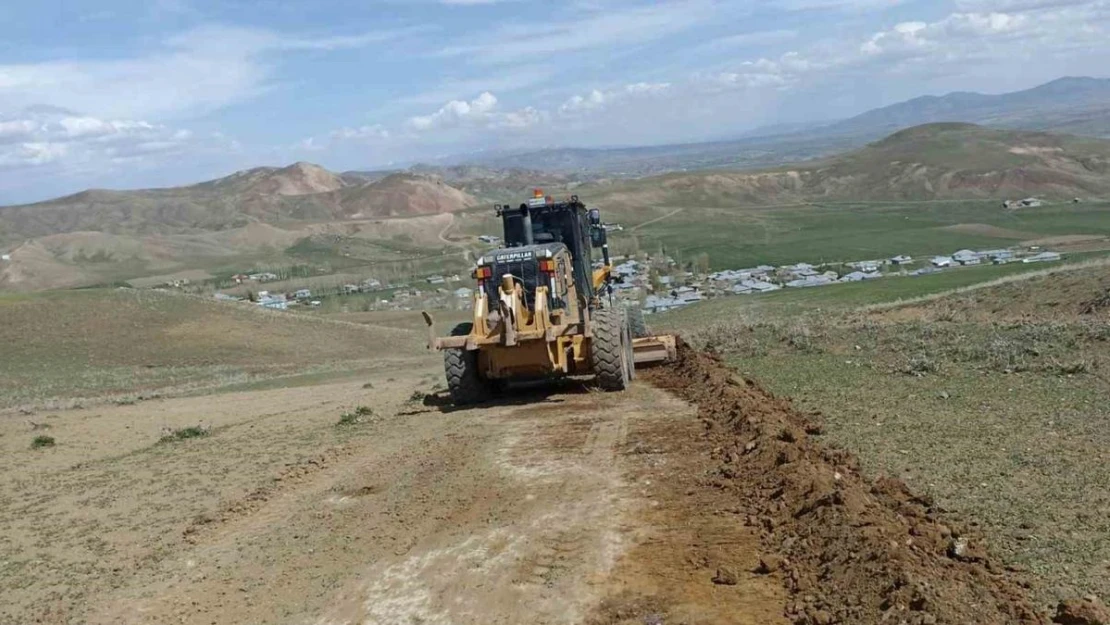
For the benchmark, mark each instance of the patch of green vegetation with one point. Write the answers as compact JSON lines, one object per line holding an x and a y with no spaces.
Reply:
{"x":185,"y":433}
{"x":42,"y":441}
{"x":737,"y":236}
{"x":355,"y":417}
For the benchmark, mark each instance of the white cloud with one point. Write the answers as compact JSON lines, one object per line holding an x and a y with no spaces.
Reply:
{"x":990,"y":6}
{"x":604,"y":28}
{"x":838,"y":5}
{"x":597,"y":99}
{"x":376,"y":131}
{"x":457,"y":113}
{"x":526,"y":117}
{"x":38,"y":137}
{"x":589,"y":102}
{"x":750,"y":39}
{"x":192,"y":72}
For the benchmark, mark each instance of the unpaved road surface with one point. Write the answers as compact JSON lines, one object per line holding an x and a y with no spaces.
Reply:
{"x":564,"y":506}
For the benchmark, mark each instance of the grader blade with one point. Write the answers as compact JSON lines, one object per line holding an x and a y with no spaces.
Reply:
{"x":653,"y":349}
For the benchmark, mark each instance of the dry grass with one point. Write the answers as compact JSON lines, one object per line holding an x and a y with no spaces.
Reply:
{"x":79,"y":347}
{"x":1001,"y":419}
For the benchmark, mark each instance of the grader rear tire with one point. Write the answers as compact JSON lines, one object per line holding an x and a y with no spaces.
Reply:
{"x":464,"y":379}
{"x":636,"y":323}
{"x":609,"y":349}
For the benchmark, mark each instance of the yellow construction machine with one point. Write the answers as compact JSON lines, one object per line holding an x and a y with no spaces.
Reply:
{"x":542,"y":308}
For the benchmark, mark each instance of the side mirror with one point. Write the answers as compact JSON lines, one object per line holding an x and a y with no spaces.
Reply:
{"x":595,"y":217}
{"x":598,"y":237}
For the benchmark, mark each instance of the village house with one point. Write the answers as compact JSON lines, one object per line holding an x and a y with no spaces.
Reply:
{"x":302,"y":294}
{"x":808,"y":281}
{"x":274,"y":301}
{"x":654,"y":304}
{"x":998,"y":257}
{"x":901,"y":259}
{"x":436,"y":279}
{"x":754,"y":286}
{"x":942,"y":261}
{"x":859,"y":276}
{"x":370,"y":284}
{"x":967,"y":257}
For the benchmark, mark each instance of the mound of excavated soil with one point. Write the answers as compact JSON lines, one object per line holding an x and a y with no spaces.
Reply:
{"x":849,"y":549}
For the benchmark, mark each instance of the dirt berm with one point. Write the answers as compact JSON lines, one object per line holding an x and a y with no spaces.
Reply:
{"x":848,"y":549}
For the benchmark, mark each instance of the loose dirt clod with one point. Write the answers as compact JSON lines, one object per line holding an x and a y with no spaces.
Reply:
{"x":853,"y":550}
{"x":1087,"y":611}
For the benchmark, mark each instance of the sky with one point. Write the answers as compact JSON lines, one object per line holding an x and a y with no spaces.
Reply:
{"x":141,"y":93}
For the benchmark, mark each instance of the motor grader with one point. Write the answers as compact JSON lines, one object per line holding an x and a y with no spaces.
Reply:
{"x":543,"y":310}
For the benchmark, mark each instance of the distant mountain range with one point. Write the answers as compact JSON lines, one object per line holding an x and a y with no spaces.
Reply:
{"x":1068,"y":105}
{"x":928,"y":162}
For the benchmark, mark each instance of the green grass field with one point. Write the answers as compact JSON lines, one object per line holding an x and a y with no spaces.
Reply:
{"x":744,"y":236}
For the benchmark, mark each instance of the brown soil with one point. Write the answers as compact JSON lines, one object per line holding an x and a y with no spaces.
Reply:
{"x":558,"y":506}
{"x":850,"y":550}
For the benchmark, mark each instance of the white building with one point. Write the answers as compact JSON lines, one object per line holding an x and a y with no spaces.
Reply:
{"x":942,"y":261}
{"x":967,"y":257}
{"x":1043,"y":257}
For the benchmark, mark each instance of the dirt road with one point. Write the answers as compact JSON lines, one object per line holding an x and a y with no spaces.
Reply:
{"x":567,"y":507}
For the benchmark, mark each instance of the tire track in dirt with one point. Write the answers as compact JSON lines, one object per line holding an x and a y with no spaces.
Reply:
{"x":291,"y":477}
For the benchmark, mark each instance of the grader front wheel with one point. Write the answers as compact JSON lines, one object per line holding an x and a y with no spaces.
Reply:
{"x":464,"y":379}
{"x":610,"y":350}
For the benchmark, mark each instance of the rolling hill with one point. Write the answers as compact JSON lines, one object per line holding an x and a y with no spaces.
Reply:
{"x":933,"y":161}
{"x":299,"y":193}
{"x":101,"y":236}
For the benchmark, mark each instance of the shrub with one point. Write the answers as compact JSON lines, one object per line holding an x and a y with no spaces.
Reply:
{"x":193,"y":431}
{"x":919,"y":365}
{"x":42,"y":441}
{"x":355,"y":416}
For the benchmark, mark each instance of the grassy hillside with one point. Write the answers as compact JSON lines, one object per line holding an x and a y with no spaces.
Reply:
{"x":75,"y":345}
{"x":735,"y":235}
{"x":916,"y":388}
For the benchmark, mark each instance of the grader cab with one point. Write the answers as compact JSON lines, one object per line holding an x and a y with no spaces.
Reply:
{"x":541,"y":309}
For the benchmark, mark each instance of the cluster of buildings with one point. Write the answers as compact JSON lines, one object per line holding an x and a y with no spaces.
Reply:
{"x":996,"y":257}
{"x":263,"y":276}
{"x":661,"y":285}
{"x":683,"y":288}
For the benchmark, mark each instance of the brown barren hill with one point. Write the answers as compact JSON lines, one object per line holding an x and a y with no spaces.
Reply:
{"x":849,"y":549}
{"x":299,"y":193}
{"x":403,"y":195}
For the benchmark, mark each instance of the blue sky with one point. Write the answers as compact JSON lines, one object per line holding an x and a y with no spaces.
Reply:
{"x":128,"y":93}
